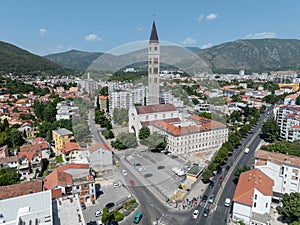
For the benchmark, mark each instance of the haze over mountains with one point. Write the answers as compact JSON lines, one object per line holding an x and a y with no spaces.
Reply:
{"x":257,"y":55}
{"x":251,"y":55}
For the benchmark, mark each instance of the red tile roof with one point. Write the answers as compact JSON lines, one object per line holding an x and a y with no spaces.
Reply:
{"x":25,"y":188}
{"x":277,"y":158}
{"x":250,"y":180}
{"x":4,"y":150}
{"x":155,"y":108}
{"x":9,"y":159}
{"x":70,"y":146}
{"x":98,"y":145}
{"x":60,"y":177}
{"x":39,"y":140}
{"x":171,"y":120}
{"x":35,"y":147}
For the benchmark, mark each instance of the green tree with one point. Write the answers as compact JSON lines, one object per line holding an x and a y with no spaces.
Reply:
{"x":270,"y":130}
{"x":205,"y":115}
{"x":8,"y":176}
{"x":206,"y":175}
{"x":108,"y":134}
{"x":240,"y":170}
{"x":298,"y":100}
{"x":156,"y":142}
{"x":144,"y":133}
{"x":127,"y":139}
{"x":120,"y":115}
{"x":195,"y":101}
{"x":291,"y":203}
{"x":15,"y":138}
{"x":104,"y":91}
{"x":117,"y":144}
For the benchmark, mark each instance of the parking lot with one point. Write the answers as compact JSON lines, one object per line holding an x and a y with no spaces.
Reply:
{"x":157,"y":170}
{"x":109,"y":193}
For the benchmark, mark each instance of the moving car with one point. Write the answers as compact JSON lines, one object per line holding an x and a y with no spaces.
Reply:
{"x":227,"y":202}
{"x":117,"y":185}
{"x":138,"y":217}
{"x":195,"y":214}
{"x":211,"y":198}
{"x":206,"y":212}
{"x":220,"y":179}
{"x":247,"y":150}
{"x":204,"y":198}
{"x":124,"y":172}
{"x":211,"y":184}
{"x":117,"y":163}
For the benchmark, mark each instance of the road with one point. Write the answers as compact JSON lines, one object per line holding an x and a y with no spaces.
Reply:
{"x":154,"y":209}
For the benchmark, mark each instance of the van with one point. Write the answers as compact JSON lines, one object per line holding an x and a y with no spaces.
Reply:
{"x":138,"y":217}
{"x":247,"y":150}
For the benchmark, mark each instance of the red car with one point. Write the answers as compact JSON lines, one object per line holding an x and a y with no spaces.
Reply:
{"x":220,"y":179}
{"x":132,"y":182}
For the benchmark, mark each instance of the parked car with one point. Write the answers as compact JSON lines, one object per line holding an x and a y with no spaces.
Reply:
{"x":211,"y":184}
{"x":211,"y":198}
{"x":219,"y":170}
{"x":124,"y":172}
{"x":117,"y":185}
{"x":98,"y":213}
{"x":195,"y":214}
{"x":110,"y":205}
{"x":83,"y":206}
{"x":220,"y":179}
{"x":206,"y":212}
{"x":227,"y":168}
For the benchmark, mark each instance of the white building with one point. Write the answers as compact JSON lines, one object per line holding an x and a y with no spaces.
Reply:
{"x":193,"y":135}
{"x":283,"y":169}
{"x":140,"y":116}
{"x":28,"y":209}
{"x":252,"y":198}
{"x":66,"y":110}
{"x":288,"y":119}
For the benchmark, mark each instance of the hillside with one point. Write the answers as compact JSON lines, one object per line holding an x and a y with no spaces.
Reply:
{"x":253,"y":55}
{"x":75,"y":60}
{"x":18,"y":61}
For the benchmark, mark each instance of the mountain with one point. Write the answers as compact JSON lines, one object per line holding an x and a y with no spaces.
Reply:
{"x":257,"y":55}
{"x":75,"y":60}
{"x":253,"y":55}
{"x":19,"y":61}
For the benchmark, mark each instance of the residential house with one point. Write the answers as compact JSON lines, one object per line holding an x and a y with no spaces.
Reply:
{"x":3,"y":151}
{"x":282,"y":168}
{"x":73,"y":179}
{"x":71,"y":151}
{"x":101,"y":159}
{"x":252,"y":198}
{"x":66,"y":110}
{"x":30,"y":157}
{"x":61,"y":136}
{"x":25,"y":188}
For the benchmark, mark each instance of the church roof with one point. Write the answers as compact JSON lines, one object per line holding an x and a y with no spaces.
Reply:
{"x":157,"y":108}
{"x":153,"y":36}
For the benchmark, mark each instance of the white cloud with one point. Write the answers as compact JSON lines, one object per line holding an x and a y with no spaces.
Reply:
{"x":200,"y":18}
{"x":189,"y":41}
{"x":211,"y":16}
{"x":261,"y":35}
{"x":208,"y":45}
{"x":92,"y":37}
{"x":141,"y":28}
{"x":42,"y":31}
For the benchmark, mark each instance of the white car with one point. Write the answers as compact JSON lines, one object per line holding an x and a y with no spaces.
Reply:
{"x":124,"y":172}
{"x":227,"y":202}
{"x":247,"y":150}
{"x":98,"y":213}
{"x":195,"y":214}
{"x":99,"y":222}
{"x":117,"y":185}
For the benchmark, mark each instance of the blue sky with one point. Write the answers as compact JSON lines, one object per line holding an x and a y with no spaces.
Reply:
{"x":49,"y":26}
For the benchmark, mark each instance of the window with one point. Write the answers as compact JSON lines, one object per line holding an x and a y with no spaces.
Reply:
{"x":254,"y":205}
{"x":155,"y":70}
{"x":255,"y":197}
{"x":155,"y":48}
{"x":155,"y":60}
{"x":266,"y":205}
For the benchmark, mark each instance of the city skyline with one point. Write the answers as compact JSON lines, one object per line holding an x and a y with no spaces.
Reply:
{"x":49,"y":27}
